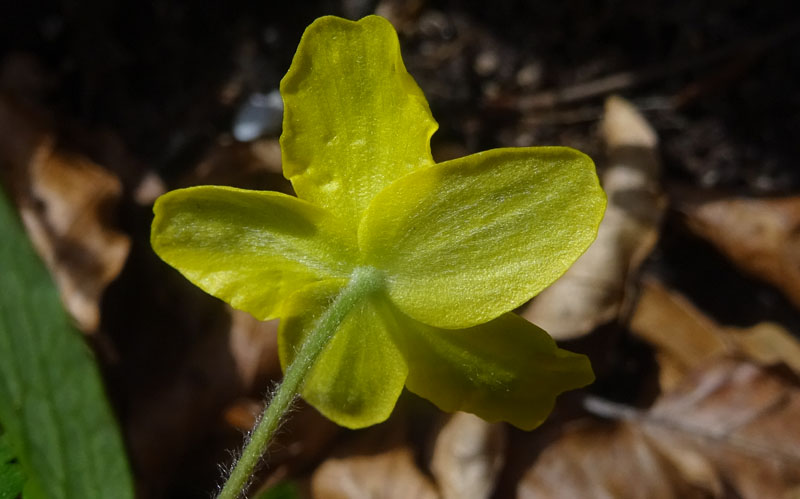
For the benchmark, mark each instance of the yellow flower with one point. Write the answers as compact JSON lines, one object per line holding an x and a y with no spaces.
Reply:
{"x":450,"y":248}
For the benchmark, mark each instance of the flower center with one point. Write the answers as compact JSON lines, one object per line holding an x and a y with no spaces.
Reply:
{"x":367,"y":278}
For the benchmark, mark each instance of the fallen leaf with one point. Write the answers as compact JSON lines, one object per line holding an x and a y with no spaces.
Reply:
{"x":592,"y":291}
{"x":603,"y":460}
{"x":379,"y":465}
{"x":66,"y":203}
{"x":744,"y":418}
{"x":729,"y":430}
{"x":760,"y":236}
{"x":254,"y":348}
{"x":468,"y":455}
{"x":768,"y":344}
{"x":685,"y":338}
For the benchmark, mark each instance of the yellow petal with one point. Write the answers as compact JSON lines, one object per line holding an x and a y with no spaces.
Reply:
{"x":464,"y":241}
{"x":504,"y":370}
{"x":358,"y":377}
{"x":251,"y":249}
{"x":354,"y":119}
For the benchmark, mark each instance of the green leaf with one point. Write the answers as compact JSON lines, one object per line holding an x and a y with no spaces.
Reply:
{"x":52,"y":406}
{"x":11,"y":476}
{"x":354,"y":119}
{"x":466,"y":240}
{"x":283,"y":490}
{"x":251,"y":249}
{"x":504,"y":370}
{"x":358,"y":377}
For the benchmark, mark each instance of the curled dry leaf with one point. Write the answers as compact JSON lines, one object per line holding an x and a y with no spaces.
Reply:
{"x":730,"y":429}
{"x":592,"y":291}
{"x":685,"y":338}
{"x":760,"y":236}
{"x":467,"y":456}
{"x":379,"y":465}
{"x":66,"y":202}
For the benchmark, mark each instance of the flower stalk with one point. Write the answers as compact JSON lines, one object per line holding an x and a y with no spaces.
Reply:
{"x":363,"y":282}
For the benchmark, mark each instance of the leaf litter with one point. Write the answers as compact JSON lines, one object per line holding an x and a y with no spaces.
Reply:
{"x":729,"y":429}
{"x":65,"y":201}
{"x":593,"y":290}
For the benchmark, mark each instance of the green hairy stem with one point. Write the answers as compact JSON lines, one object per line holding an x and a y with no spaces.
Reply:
{"x":363,"y":281}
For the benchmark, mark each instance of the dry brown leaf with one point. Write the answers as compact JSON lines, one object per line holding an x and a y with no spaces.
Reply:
{"x":254,"y":348}
{"x":744,"y":418}
{"x":66,"y":203}
{"x":601,"y":460}
{"x":685,"y":338}
{"x":731,"y":428}
{"x":760,"y":236}
{"x":389,"y":475}
{"x":768,"y":344}
{"x":379,"y":465}
{"x":467,"y":457}
{"x":593,"y":289}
